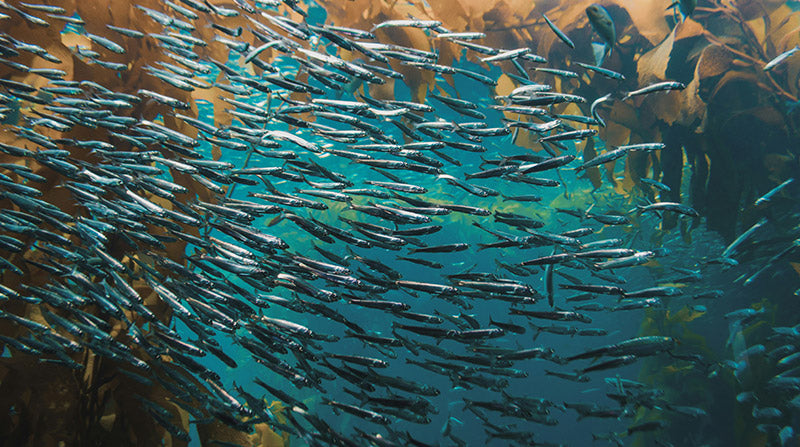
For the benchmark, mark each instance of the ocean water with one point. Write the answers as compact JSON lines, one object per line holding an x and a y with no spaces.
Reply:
{"x":157,"y":270}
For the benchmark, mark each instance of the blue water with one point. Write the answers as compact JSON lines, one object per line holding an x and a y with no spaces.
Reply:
{"x":457,"y":228}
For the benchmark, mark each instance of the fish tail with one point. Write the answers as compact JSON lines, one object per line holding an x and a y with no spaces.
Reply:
{"x":637,"y":209}
{"x":267,"y":184}
{"x":276,"y":220}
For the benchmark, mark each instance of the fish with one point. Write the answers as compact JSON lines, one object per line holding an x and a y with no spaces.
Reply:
{"x":604,"y":158}
{"x":781,"y":58}
{"x":657,"y":87}
{"x":462,"y":35}
{"x":560,"y":34}
{"x":359,"y":412}
{"x":603,"y":71}
{"x":424,"y":24}
{"x":635,"y":259}
{"x":106,"y":43}
{"x":686,"y":7}
{"x":771,"y":193}
{"x":303,"y":211}
{"x":656,"y":184}
{"x":669,"y":206}
{"x":603,"y":25}
{"x":506,"y":55}
{"x":640,"y":346}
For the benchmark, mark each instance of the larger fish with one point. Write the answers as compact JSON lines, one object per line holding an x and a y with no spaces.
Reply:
{"x":603,"y":25}
{"x":686,"y":7}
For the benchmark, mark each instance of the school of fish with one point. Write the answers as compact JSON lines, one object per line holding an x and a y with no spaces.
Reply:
{"x":323,"y":197}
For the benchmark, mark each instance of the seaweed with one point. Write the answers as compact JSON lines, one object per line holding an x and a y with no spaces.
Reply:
{"x":98,"y":401}
{"x":734,"y":124}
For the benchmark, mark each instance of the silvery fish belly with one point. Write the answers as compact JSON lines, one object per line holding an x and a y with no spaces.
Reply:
{"x":366,"y":223}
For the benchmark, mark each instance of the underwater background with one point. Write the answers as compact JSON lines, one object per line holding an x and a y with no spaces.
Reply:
{"x":453,"y":222}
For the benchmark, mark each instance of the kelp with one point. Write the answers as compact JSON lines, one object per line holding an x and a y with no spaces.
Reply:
{"x":733,"y":123}
{"x":731,"y":134}
{"x":682,"y":380}
{"x":100,"y":402}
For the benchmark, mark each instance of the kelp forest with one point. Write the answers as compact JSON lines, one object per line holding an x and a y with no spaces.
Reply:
{"x":186,"y":259}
